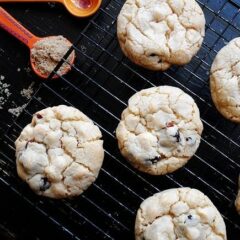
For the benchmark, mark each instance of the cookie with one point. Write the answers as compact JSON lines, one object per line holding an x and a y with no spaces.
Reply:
{"x":181,"y":213}
{"x":160,"y":130}
{"x":237,"y":202}
{"x":224,"y":81}
{"x":59,"y":154}
{"x":158,"y":33}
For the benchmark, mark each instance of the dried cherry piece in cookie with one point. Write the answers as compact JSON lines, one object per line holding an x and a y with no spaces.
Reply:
{"x":39,"y":116}
{"x":170,"y":124}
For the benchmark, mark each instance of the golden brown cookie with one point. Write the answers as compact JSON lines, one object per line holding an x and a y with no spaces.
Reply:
{"x":160,"y":130}
{"x":59,"y":154}
{"x":225,"y":81}
{"x":158,"y":33}
{"x":181,"y":213}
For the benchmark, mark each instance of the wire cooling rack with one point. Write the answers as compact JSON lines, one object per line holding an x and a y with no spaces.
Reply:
{"x":100,"y":83}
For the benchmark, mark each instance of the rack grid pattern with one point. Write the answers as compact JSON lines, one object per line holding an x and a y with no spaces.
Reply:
{"x":100,"y":83}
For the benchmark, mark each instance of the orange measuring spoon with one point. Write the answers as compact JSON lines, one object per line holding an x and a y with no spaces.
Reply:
{"x":12,"y":26}
{"x":78,"y":8}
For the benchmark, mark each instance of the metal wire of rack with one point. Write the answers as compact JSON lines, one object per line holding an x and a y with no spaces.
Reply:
{"x":100,"y":83}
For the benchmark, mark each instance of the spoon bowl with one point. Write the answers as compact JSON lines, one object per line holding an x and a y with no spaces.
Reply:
{"x":63,"y":72}
{"x":82,"y":8}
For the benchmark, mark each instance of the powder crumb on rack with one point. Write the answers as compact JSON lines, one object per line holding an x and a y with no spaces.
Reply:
{"x":27,"y":69}
{"x":48,"y":52}
{"x":27,"y":92}
{"x":19,"y":69}
{"x":83,"y":48}
{"x":1,"y":102}
{"x":51,"y":5}
{"x":4,"y":91}
{"x":17,"y":110}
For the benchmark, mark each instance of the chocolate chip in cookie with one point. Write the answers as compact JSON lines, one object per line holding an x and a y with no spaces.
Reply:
{"x":45,"y":184}
{"x":153,"y":160}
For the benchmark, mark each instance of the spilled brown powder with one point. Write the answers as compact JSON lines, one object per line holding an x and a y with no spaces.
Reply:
{"x":4,"y":91}
{"x":27,"y":92}
{"x":17,"y":110}
{"x":48,"y":52}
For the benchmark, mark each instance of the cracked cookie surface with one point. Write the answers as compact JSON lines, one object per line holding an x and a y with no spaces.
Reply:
{"x":160,"y":130}
{"x":181,"y":213}
{"x":225,"y":81}
{"x":158,"y":33}
{"x":59,"y":154}
{"x":237,"y":202}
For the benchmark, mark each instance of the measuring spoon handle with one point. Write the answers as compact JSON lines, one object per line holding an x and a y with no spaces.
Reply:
{"x":12,"y":26}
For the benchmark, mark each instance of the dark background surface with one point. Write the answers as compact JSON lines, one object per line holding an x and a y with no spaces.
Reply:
{"x":17,"y":220}
{"x":100,"y":83}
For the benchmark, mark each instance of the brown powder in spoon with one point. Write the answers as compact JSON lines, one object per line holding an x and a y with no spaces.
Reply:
{"x":48,"y":52}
